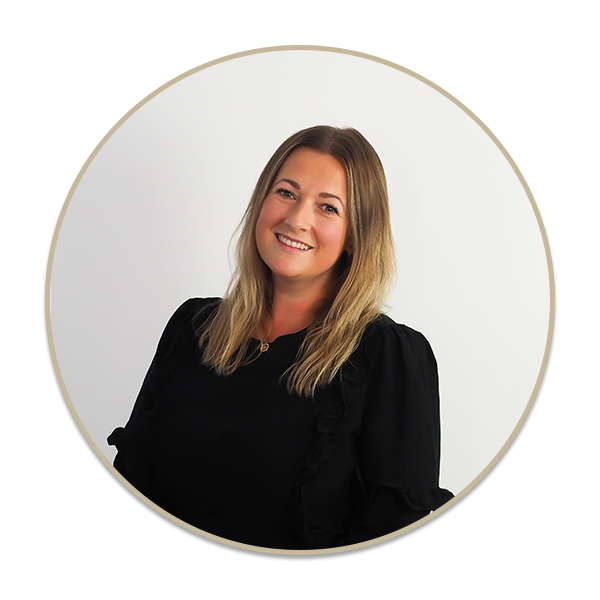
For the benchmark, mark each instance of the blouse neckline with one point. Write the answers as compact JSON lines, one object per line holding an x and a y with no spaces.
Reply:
{"x":282,"y":337}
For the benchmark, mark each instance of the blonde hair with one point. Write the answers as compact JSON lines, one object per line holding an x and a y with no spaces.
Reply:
{"x":364,"y":277}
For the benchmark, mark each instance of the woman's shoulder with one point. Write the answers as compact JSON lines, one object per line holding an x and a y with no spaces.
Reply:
{"x":188,"y":317}
{"x":384,"y":331}
{"x":194,"y":305}
{"x":387,"y":345}
{"x":395,"y":369}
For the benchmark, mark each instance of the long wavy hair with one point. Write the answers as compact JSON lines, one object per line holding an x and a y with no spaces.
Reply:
{"x":364,"y":277}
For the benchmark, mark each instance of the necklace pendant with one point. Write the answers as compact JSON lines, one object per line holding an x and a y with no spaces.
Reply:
{"x":264,"y":346}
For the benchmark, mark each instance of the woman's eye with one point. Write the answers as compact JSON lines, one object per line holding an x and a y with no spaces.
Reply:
{"x":284,"y":193}
{"x":329,"y":208}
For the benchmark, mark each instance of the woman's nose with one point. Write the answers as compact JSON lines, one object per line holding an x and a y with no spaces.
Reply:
{"x":298,"y":218}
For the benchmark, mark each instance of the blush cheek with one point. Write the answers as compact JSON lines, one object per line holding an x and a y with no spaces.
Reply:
{"x":266,"y":242}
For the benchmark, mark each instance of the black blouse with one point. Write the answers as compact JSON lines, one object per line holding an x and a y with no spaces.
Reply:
{"x":241,"y":458}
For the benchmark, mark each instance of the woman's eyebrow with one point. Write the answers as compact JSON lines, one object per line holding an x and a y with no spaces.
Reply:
{"x":291,"y":182}
{"x":295,"y":185}
{"x":328,"y":195}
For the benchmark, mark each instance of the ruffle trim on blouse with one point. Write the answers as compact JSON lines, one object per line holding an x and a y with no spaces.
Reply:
{"x":321,"y":447}
{"x":323,"y":443}
{"x":353,"y":373}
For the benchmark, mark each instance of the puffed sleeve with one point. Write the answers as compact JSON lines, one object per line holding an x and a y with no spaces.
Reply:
{"x":398,"y":445}
{"x":135,"y":441}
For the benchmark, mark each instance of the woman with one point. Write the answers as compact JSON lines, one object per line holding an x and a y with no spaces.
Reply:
{"x":292,"y":414}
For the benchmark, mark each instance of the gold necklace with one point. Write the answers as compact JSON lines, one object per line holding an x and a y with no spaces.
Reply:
{"x":264,"y":344}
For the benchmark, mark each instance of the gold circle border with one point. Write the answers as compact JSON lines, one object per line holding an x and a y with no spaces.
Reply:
{"x":238,"y":54}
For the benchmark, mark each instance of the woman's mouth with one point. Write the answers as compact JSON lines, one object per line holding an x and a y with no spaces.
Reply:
{"x":292,"y":243}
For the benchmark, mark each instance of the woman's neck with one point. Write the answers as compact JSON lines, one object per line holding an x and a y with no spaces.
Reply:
{"x":294,"y":308}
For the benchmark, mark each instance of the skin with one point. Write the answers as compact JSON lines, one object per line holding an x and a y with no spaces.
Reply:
{"x":307,"y":204}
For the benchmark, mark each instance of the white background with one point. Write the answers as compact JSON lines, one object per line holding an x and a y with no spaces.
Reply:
{"x":149,"y":224}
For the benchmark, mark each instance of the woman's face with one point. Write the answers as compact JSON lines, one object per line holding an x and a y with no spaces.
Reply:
{"x":302,"y":227}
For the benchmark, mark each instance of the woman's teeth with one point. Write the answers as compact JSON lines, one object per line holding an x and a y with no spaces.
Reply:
{"x":292,"y":244}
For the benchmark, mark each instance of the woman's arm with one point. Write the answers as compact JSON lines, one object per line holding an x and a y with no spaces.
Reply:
{"x":398,"y":447}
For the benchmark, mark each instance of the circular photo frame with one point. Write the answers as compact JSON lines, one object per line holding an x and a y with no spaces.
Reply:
{"x":149,"y":221}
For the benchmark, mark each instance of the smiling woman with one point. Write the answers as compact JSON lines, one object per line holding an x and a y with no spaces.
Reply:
{"x":292,"y":414}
